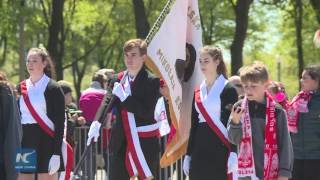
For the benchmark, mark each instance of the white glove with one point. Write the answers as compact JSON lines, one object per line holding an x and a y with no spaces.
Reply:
{"x":54,"y":164}
{"x":232,"y":162}
{"x":120,"y":92}
{"x":94,"y":132}
{"x":186,"y":165}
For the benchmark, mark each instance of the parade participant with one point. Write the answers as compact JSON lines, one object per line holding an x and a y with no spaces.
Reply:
{"x":42,"y":117}
{"x":259,"y":126}
{"x":277,"y":90}
{"x":134,"y":146}
{"x":210,"y":155}
{"x":10,"y":130}
{"x":304,"y":121}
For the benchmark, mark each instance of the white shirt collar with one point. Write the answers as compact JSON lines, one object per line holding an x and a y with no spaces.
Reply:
{"x":42,"y":83}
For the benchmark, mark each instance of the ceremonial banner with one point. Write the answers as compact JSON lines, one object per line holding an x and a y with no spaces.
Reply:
{"x":173,"y":55}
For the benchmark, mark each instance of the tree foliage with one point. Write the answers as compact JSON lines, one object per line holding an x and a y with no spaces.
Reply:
{"x":92,"y":32}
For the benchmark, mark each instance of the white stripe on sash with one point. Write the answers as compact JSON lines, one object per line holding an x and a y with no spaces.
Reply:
{"x":137,"y":146}
{"x":39,"y":111}
{"x":148,"y":128}
{"x":206,"y":100}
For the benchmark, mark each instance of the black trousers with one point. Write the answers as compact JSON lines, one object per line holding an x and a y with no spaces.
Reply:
{"x":150,"y":148}
{"x":306,"y":169}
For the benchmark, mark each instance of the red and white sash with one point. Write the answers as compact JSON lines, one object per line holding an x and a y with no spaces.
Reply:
{"x":298,"y":104}
{"x":47,"y":125}
{"x":209,"y":116}
{"x":135,"y":161}
{"x":246,"y":165}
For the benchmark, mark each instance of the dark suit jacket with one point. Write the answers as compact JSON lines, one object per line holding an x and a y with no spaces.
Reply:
{"x":142,"y":102}
{"x":10,"y":133}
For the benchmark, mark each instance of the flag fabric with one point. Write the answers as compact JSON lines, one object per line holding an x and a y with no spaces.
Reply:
{"x":316,"y":39}
{"x":173,"y":55}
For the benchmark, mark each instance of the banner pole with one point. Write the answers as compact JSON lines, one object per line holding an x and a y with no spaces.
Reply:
{"x":155,"y":27}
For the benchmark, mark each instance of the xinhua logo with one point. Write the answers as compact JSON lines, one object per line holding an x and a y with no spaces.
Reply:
{"x":26,"y":160}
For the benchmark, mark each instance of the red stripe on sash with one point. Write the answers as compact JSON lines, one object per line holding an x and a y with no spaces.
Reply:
{"x":128,"y":164}
{"x":210,"y":121}
{"x":33,"y":112}
{"x":46,"y":128}
{"x":69,"y":161}
{"x":154,"y":133}
{"x":211,"y":124}
{"x":130,"y":145}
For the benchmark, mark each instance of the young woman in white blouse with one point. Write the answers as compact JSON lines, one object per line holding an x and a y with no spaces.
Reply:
{"x":210,"y":155}
{"x":42,"y":116}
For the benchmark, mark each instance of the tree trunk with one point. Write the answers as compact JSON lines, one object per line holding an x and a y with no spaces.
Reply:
{"x":4,"y":46}
{"x":22,"y":55}
{"x":298,"y":13}
{"x":241,"y":9}
{"x":142,"y":24}
{"x":316,"y":6}
{"x":55,"y":43}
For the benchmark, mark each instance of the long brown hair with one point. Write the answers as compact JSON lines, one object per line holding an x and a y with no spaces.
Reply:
{"x":216,"y":54}
{"x":43,"y":53}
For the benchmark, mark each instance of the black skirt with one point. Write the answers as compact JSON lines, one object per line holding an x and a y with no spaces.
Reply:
{"x":209,"y":155}
{"x":35,"y":138}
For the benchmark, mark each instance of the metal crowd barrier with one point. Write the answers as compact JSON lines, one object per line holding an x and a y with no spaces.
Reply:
{"x":94,"y":166}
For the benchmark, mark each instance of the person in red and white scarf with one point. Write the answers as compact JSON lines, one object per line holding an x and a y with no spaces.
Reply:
{"x":210,"y":154}
{"x":304,"y":121}
{"x":259,"y":126}
{"x":278,"y":92}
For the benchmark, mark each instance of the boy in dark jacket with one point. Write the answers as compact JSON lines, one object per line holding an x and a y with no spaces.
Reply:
{"x":259,"y":126}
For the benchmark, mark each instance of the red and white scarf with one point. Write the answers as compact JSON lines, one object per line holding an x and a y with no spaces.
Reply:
{"x":67,"y":152}
{"x":298,"y":104}
{"x":246,"y":165}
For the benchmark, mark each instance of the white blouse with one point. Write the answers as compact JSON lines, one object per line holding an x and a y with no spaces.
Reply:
{"x":37,"y":99}
{"x":211,"y":100}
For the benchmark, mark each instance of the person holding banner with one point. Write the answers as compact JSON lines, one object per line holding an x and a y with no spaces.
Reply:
{"x":259,"y":126}
{"x":42,"y":117}
{"x":134,"y":145}
{"x":209,"y":151}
